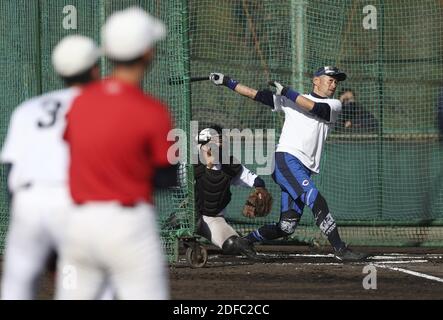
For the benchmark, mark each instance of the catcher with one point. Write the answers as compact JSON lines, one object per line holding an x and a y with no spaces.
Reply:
{"x":213,"y":179}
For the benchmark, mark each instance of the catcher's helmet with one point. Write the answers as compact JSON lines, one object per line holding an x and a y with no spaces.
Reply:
{"x":209,"y":133}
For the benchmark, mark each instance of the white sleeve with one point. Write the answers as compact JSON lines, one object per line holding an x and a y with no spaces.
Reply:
{"x":245,"y":179}
{"x":335,"y":109}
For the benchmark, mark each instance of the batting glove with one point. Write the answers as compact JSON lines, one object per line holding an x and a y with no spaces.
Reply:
{"x":278,"y":87}
{"x":216,"y":78}
{"x":221,"y":79}
{"x":286,"y":91}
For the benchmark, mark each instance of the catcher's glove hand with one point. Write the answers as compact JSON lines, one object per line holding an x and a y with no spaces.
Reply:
{"x":258,"y":204}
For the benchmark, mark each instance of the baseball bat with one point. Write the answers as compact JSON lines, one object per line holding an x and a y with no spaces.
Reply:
{"x":176,"y":80}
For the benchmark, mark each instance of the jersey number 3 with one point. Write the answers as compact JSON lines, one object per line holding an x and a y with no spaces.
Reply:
{"x":51,"y":107}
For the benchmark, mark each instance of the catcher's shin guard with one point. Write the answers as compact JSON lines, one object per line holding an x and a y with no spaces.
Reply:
{"x":229,"y":246}
{"x":236,"y":245}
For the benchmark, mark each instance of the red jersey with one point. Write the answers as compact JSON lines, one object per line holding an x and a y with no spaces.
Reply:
{"x":117,"y":136}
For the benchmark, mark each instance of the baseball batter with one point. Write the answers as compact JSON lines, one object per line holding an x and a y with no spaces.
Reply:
{"x":118,"y":145}
{"x":308,"y":119}
{"x":38,"y":160}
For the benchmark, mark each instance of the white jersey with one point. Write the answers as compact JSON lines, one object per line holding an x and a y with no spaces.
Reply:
{"x":245,"y":179}
{"x":303,"y":134}
{"x":34,"y":144}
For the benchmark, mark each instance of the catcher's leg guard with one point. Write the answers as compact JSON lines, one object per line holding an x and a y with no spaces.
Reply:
{"x":215,"y":229}
{"x":229,"y":246}
{"x":236,"y":245}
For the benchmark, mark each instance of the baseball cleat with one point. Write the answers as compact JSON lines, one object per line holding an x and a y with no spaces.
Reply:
{"x":246,"y":248}
{"x":347,"y":255}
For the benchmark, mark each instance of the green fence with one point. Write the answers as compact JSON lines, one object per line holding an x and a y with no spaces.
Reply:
{"x":382,"y":181}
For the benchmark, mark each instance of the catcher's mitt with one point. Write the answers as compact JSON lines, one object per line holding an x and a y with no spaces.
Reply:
{"x":258,"y":204}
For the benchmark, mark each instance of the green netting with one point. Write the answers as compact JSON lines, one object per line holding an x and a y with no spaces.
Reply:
{"x":19,"y":57}
{"x":382,"y":177}
{"x":382,"y":180}
{"x":29,"y":31}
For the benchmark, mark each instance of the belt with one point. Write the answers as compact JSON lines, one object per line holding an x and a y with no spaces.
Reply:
{"x":122,"y":204}
{"x":128,"y":205}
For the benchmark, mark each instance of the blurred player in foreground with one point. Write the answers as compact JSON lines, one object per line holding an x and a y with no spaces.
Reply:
{"x":38,"y":159}
{"x":212,"y":192}
{"x":117,"y":137}
{"x":308,"y":119}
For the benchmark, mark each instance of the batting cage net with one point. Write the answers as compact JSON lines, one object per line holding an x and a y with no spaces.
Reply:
{"x":382,"y":169}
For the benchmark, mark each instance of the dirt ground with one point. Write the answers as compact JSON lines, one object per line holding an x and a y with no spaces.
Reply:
{"x":294,"y":272}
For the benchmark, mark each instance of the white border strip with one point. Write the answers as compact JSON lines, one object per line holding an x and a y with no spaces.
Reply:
{"x":402,"y":261}
{"x":414,"y":273}
{"x":396,"y":257}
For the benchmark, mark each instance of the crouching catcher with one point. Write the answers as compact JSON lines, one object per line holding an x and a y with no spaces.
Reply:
{"x":213,"y":180}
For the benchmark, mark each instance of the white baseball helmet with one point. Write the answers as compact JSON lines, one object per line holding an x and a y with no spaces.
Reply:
{"x":128,"y":34}
{"x":74,"y":55}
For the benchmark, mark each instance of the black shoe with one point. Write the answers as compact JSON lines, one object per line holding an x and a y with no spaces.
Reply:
{"x":246,"y":248}
{"x":347,"y":255}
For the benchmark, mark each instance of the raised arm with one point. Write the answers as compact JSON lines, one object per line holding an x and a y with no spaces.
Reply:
{"x":221,"y":79}
{"x":264,"y":96}
{"x":320,"y":109}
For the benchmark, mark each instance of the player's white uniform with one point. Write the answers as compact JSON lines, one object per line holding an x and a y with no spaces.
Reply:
{"x":37,"y":181}
{"x":303,"y":134}
{"x":216,"y":228}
